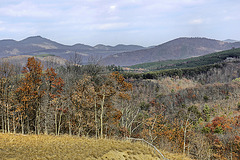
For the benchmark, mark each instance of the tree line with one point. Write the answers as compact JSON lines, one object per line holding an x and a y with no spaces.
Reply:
{"x":43,"y":101}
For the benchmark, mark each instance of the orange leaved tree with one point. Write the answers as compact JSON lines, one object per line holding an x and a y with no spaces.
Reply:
{"x":54,"y":88}
{"x":29,"y":94}
{"x":83,"y":99}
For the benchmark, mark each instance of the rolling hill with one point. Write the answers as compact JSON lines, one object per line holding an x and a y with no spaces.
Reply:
{"x":38,"y":45}
{"x":191,"y":62}
{"x":179,"y":48}
{"x":217,"y":64}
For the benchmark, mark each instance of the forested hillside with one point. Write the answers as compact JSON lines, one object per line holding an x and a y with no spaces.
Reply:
{"x":180,"y":48}
{"x":195,"y":112}
{"x":209,"y":59}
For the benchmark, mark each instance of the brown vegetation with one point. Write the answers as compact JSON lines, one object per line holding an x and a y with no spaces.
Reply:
{"x":178,"y":115}
{"x":15,"y":146}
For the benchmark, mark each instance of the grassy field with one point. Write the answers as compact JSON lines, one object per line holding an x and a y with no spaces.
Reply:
{"x":17,"y":147}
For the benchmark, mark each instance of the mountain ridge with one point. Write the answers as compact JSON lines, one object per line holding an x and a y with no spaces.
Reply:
{"x":179,"y":48}
{"x":120,"y":54}
{"x":36,"y":45}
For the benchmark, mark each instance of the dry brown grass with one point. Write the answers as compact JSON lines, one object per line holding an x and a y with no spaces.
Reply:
{"x":17,"y":147}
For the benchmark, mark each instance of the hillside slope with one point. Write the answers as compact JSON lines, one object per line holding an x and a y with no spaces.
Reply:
{"x":15,"y":146}
{"x":46,"y":59}
{"x":176,"y":49}
{"x":191,"y":62}
{"x":39,"y":45}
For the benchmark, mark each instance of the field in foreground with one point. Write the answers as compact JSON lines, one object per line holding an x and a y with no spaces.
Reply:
{"x":16,"y":146}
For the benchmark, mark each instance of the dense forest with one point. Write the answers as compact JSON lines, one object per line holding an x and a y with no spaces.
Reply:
{"x":193,"y":111}
{"x":198,"y":61}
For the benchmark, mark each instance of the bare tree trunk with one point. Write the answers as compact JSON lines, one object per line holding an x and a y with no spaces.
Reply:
{"x":59,"y":122}
{"x":70,"y":127}
{"x":22,"y":124}
{"x":56,"y":121}
{"x":130,"y":124}
{"x":37,"y":130}
{"x":122,"y":118}
{"x":28,"y":126}
{"x":150,"y":130}
{"x":46,"y":123}
{"x":8,"y":126}
{"x":184,"y":137}
{"x":14,"y":129}
{"x":96,"y":118}
{"x":79,"y":131}
{"x":79,"y":125}
{"x":101,"y":118}
{"x":39,"y":120}
{"x":3,"y":123}
{"x":46,"y":113}
{"x":69,"y":118}
{"x":136,"y":128}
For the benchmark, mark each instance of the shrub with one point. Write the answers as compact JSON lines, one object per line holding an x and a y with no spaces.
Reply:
{"x":205,"y":130}
{"x":144,"y":106}
{"x":219,"y":130}
{"x":205,"y":97}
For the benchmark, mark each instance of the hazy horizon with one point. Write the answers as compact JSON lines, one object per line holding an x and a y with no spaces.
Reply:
{"x":229,"y":39}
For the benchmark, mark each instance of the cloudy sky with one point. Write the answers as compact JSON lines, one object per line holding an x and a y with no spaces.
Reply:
{"x":111,"y":22}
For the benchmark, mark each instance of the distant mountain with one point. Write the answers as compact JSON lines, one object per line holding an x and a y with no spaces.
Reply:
{"x":82,"y":47}
{"x":231,"y":41}
{"x":121,"y":47}
{"x":37,"y":45}
{"x":176,"y":49}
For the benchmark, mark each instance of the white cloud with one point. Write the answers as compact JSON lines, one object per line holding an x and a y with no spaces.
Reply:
{"x":196,"y":21}
{"x":112,"y":7}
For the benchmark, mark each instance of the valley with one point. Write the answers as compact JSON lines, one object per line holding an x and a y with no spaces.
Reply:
{"x":187,"y":108}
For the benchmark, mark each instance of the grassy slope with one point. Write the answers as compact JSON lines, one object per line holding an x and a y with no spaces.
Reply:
{"x":16,"y":146}
{"x":190,"y":62}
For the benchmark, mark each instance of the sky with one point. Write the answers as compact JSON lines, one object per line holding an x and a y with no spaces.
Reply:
{"x":112,"y":22}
